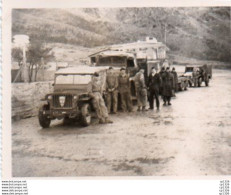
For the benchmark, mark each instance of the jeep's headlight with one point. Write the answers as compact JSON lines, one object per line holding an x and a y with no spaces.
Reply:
{"x":49,"y":97}
{"x":75,"y":97}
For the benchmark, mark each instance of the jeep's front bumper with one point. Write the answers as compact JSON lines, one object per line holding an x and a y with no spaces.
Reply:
{"x":59,"y":114}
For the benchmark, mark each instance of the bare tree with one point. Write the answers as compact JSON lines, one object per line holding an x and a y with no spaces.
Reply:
{"x":17,"y":55}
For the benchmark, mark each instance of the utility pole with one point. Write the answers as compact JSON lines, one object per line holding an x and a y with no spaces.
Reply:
{"x":165,"y":34}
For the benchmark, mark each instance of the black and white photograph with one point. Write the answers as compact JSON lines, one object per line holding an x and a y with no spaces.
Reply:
{"x":121,"y":91}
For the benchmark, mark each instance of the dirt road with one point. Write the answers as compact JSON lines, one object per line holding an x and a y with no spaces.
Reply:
{"x":190,"y":138}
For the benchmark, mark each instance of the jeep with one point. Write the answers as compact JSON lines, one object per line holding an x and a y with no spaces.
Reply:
{"x":70,"y":99}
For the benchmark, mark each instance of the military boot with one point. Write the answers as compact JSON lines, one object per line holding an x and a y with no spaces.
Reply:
{"x":101,"y":121}
{"x":108,"y":120}
{"x":144,"y":108}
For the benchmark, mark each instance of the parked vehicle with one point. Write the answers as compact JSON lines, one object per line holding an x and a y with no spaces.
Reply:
{"x":182,"y":83}
{"x":70,"y":99}
{"x":197,"y":74}
{"x":117,"y":60}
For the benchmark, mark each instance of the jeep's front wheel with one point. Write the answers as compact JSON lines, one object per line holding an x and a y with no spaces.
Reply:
{"x":44,"y":121}
{"x":86,"y":115}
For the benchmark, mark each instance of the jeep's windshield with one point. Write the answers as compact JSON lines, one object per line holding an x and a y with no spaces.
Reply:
{"x":72,"y":79}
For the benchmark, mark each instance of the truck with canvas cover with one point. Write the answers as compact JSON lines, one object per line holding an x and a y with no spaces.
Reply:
{"x":117,"y":60}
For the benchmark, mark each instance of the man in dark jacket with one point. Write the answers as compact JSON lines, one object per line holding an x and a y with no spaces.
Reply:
{"x":124,"y":90}
{"x":168,"y":84}
{"x":175,"y":79}
{"x":154,"y":84}
{"x":162,"y":71}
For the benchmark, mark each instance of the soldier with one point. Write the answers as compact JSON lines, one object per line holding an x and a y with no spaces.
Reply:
{"x":175,"y":76}
{"x":98,"y":101}
{"x":168,"y":85}
{"x":205,"y":77}
{"x":124,"y":89}
{"x":141,"y":90}
{"x":112,"y":91}
{"x":154,"y":84}
{"x":162,"y":71}
{"x":195,"y":75}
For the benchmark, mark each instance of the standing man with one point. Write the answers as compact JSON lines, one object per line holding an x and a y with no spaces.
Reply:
{"x":175,"y":76}
{"x":124,"y":89}
{"x":141,"y":90}
{"x":112,"y":91}
{"x":154,"y":84}
{"x":168,"y":85}
{"x":98,"y":101}
{"x":162,"y":71}
{"x":195,"y":75}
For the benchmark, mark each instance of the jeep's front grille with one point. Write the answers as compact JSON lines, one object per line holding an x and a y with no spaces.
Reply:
{"x":67,"y":101}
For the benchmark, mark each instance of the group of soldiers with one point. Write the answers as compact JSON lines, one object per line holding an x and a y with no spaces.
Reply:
{"x":162,"y":84}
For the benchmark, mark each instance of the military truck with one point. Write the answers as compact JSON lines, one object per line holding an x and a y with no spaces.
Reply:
{"x":117,"y":60}
{"x":70,"y":98}
{"x":197,"y":74}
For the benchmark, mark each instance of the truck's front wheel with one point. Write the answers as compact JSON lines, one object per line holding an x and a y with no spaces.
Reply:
{"x":199,"y":82}
{"x":44,"y":121}
{"x":185,"y":85}
{"x":86,"y":115}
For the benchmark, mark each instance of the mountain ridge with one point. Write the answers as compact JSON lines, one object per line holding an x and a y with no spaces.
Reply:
{"x":202,"y":33}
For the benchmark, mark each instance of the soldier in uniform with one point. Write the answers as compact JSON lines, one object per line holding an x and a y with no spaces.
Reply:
{"x":162,"y":71}
{"x":175,"y":76}
{"x":195,"y":75}
{"x":112,"y":91}
{"x":141,"y":90}
{"x":168,"y":85}
{"x":98,"y":101}
{"x":124,"y":89}
{"x":154,"y":84}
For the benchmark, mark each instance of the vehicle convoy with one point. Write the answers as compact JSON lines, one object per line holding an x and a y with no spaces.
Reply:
{"x":118,"y":59}
{"x":70,"y":99}
{"x":128,"y":60}
{"x":197,"y":74}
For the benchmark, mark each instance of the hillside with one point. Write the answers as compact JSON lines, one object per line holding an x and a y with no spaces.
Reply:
{"x":191,"y":32}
